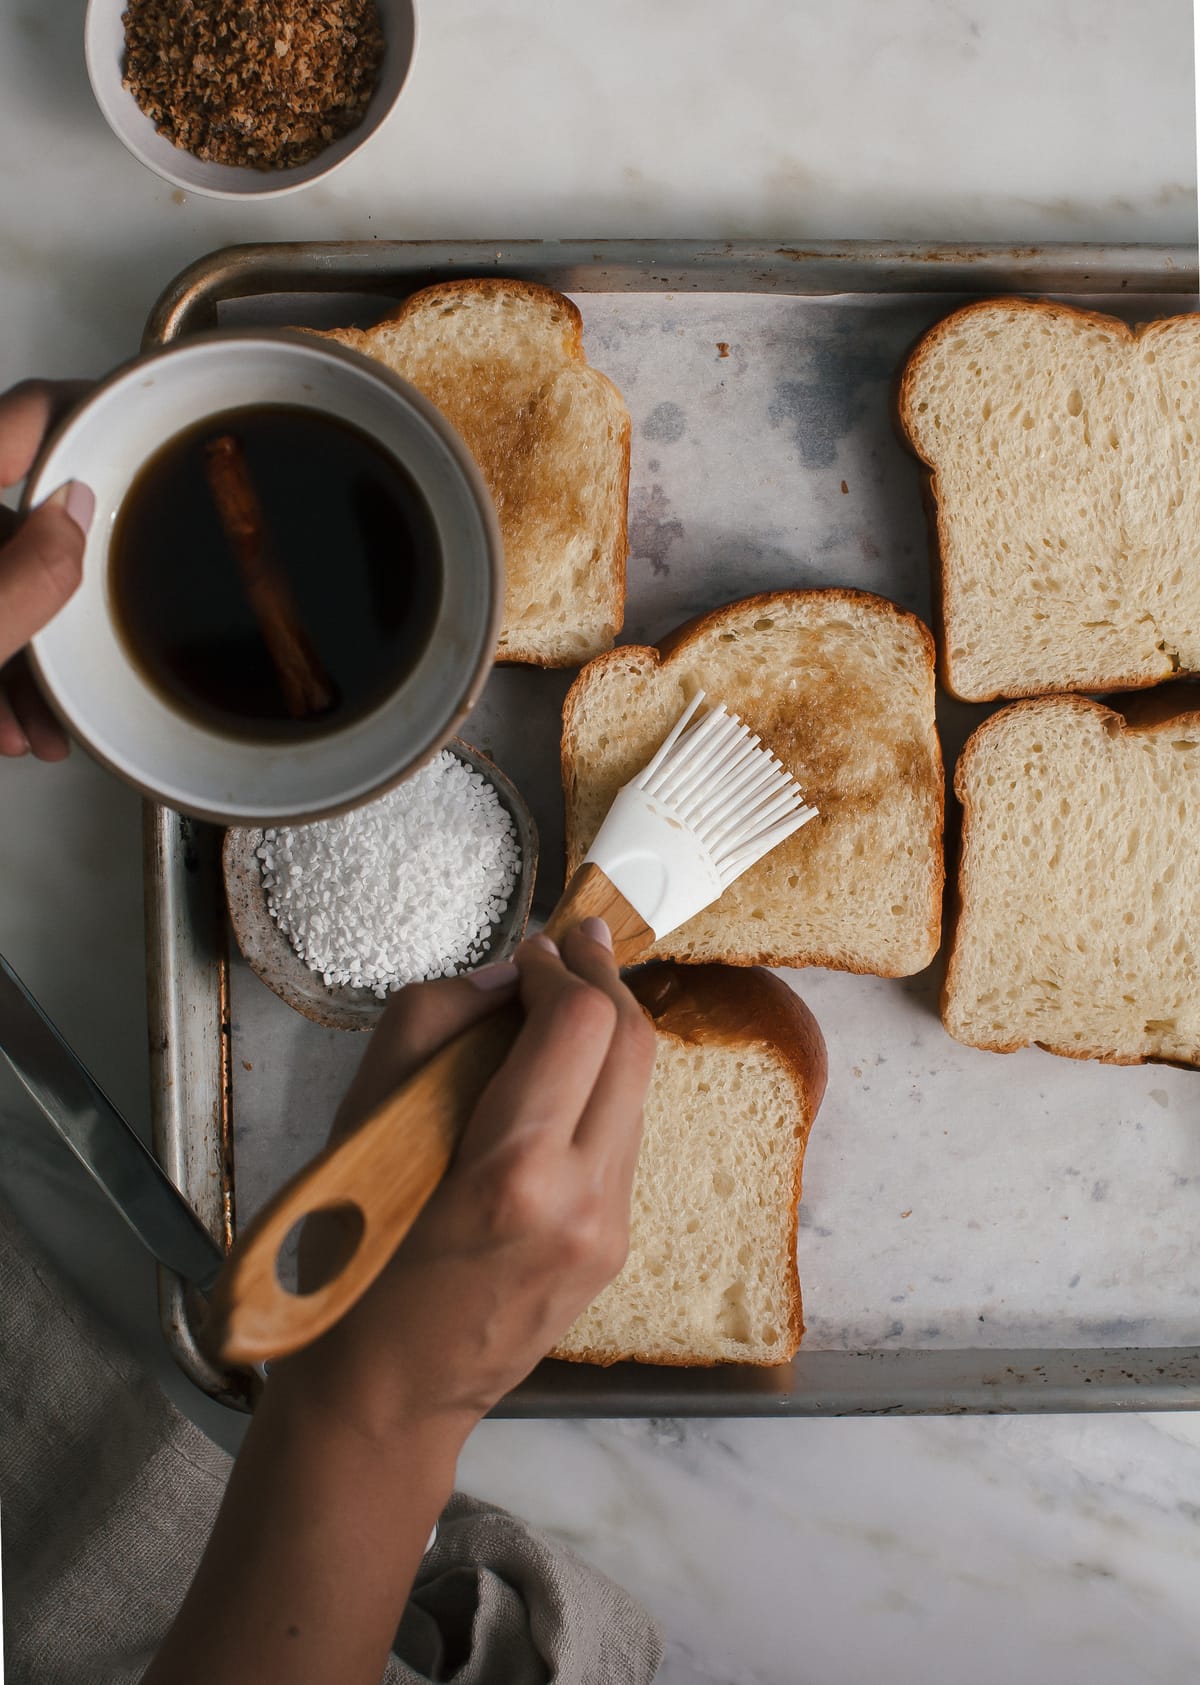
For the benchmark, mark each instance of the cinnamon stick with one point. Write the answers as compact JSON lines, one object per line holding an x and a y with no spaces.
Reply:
{"x":306,"y":686}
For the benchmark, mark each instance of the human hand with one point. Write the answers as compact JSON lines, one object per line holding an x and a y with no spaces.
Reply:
{"x":41,"y":563}
{"x":532,"y":1219}
{"x":351,"y":1453}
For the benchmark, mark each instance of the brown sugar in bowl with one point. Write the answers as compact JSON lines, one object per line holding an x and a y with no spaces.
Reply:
{"x":105,"y":52}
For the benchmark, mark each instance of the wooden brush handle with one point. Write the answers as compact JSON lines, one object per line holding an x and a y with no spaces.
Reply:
{"x":386,"y":1171}
{"x":590,"y":894}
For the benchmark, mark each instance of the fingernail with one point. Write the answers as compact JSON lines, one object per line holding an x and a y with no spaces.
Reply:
{"x":597,"y":931}
{"x":541,"y":940}
{"x":78,"y":500}
{"x":501,"y":974}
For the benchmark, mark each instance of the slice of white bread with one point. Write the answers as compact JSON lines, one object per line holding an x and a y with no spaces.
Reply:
{"x":840,"y":684}
{"x":711,"y":1273}
{"x":503,"y":361}
{"x":1064,"y":497}
{"x":1078,"y":926}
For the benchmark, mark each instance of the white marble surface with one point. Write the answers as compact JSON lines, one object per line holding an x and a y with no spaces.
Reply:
{"x":1049,"y":1550}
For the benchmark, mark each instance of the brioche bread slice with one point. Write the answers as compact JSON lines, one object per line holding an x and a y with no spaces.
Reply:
{"x":1064,"y":498}
{"x":1078,"y":926}
{"x":840,"y":684}
{"x":711,"y":1273}
{"x":503,"y":361}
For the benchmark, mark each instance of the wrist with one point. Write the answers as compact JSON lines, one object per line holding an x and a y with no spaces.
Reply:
{"x":335,"y":1414}
{"x":320,"y":1535}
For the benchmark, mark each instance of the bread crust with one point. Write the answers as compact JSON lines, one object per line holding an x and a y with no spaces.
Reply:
{"x":1141,"y":716}
{"x":929,"y":344}
{"x":495,"y":286}
{"x":736,"y":1007}
{"x":1162,"y":706}
{"x":655,"y":656}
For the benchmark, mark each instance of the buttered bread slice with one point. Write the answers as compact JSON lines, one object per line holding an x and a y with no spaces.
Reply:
{"x":711,"y":1273}
{"x":503,"y":360}
{"x":840,"y":685}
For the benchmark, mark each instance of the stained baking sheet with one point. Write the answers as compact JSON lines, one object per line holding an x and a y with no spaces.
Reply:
{"x":977,"y":1231}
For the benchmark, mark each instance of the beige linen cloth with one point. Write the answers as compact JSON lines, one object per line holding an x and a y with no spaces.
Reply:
{"x":107,"y":1495}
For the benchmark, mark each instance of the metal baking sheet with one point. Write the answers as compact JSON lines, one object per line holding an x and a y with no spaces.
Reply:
{"x":977,"y":1233}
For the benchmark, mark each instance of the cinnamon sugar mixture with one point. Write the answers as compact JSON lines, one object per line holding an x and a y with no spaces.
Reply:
{"x":261,"y":83}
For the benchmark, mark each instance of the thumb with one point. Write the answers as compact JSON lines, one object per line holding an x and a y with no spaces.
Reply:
{"x":41,"y":566}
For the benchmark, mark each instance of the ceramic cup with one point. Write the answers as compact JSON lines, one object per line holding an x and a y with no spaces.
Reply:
{"x":105,"y":701}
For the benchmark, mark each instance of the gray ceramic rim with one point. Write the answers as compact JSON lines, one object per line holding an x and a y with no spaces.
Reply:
{"x":275,"y":962}
{"x":37,"y":487}
{"x":283,"y":182}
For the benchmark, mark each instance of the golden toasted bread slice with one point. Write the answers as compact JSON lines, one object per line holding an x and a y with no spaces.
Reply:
{"x":503,"y":360}
{"x":840,"y":684}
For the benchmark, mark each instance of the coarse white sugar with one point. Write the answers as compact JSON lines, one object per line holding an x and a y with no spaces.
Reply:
{"x":404,"y":889}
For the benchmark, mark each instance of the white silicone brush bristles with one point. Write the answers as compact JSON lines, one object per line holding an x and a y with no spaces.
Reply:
{"x":719,"y":781}
{"x":709,"y":804}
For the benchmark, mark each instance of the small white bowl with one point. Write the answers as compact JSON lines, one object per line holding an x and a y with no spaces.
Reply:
{"x":104,"y":50}
{"x":81,"y":659}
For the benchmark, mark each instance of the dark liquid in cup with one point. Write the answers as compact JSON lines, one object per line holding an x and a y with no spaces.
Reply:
{"x":349,"y":533}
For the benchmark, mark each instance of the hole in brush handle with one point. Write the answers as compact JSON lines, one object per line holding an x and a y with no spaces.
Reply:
{"x":394,"y":1161}
{"x":318,"y":1247}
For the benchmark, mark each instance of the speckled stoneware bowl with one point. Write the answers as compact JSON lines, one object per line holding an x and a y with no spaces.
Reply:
{"x":271,"y":956}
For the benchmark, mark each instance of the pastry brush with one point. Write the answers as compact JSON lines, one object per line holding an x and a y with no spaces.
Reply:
{"x":710,"y":803}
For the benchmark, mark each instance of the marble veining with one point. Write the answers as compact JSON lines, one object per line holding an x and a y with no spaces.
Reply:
{"x":1057,"y":1550}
